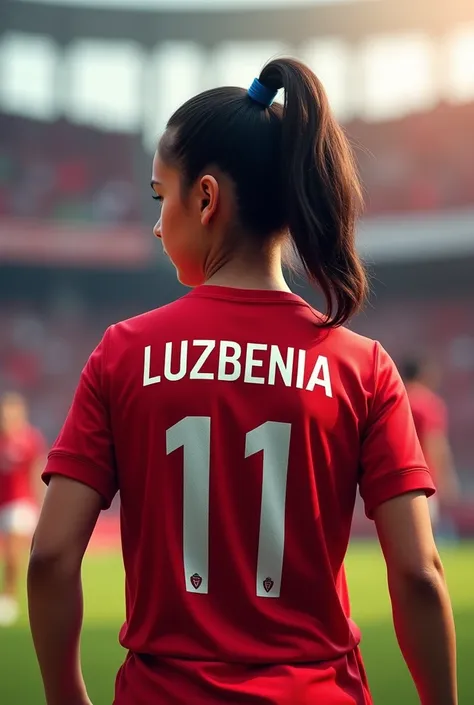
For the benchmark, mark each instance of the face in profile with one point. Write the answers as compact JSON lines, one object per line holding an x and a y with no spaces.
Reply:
{"x":13,"y":412}
{"x":179,"y":227}
{"x":191,"y":226}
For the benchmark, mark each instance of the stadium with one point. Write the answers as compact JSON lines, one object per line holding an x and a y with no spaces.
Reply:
{"x":86,"y":87}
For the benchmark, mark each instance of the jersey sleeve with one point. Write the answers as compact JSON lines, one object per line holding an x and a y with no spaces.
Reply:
{"x":84,"y":449}
{"x":392,"y":462}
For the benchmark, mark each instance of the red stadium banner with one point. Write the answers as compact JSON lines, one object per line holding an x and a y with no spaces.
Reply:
{"x":37,"y":242}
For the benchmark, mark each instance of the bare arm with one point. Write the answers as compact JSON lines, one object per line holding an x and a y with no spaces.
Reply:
{"x":67,"y":520}
{"x":421,"y":606}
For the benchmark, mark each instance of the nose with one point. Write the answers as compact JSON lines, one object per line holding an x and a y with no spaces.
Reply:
{"x":157,"y":229}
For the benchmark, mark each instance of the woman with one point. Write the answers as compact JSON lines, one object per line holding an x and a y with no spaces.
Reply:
{"x":237,"y":424}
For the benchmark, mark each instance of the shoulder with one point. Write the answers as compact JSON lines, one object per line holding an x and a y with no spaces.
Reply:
{"x":123,"y":343}
{"x":350,"y":349}
{"x":118,"y":335}
{"x":147,"y":321}
{"x":360,"y":344}
{"x":361,"y":363}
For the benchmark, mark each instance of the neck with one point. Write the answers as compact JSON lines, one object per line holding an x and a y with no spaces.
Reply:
{"x":249,"y":270}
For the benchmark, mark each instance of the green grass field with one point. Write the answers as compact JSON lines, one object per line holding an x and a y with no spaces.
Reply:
{"x":103,"y":581}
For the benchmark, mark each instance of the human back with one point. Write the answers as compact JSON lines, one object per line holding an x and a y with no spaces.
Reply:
{"x":237,"y":422}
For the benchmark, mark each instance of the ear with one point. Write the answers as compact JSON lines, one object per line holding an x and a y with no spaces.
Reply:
{"x":209,"y":197}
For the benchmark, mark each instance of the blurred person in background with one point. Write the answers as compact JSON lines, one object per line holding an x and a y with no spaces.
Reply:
{"x":22,"y":458}
{"x":237,"y":423}
{"x":430,"y":414}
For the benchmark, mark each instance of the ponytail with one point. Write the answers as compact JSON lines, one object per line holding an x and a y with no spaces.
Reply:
{"x":321,"y":189}
{"x":292,"y":170}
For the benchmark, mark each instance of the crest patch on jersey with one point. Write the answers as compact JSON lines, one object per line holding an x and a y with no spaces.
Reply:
{"x":196,"y":581}
{"x":268,"y":584}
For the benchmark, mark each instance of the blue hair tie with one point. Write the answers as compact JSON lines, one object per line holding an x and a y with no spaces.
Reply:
{"x":261,"y":94}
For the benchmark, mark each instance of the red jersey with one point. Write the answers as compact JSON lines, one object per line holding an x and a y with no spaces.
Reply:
{"x":430,"y":417}
{"x":237,"y":432}
{"x":18,"y":455}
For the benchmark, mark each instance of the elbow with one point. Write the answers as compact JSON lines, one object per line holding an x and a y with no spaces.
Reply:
{"x":47,"y":562}
{"x":426,"y":579}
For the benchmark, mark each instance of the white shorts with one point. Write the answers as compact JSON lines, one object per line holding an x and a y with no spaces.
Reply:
{"x":19,"y":518}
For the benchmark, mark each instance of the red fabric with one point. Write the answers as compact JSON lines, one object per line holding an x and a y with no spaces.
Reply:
{"x":430,"y":417}
{"x":18,"y":455}
{"x":177,"y":681}
{"x":347,"y":423}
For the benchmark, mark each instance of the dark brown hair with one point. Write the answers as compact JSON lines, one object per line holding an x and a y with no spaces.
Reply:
{"x":292,"y":168}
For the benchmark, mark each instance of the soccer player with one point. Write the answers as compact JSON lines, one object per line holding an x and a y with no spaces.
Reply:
{"x":431,"y":421}
{"x":237,"y":424}
{"x":22,"y":456}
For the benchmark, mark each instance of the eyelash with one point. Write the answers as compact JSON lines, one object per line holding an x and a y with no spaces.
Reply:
{"x":155,"y":197}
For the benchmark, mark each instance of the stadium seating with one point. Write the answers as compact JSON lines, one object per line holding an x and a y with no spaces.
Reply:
{"x":67,"y":172}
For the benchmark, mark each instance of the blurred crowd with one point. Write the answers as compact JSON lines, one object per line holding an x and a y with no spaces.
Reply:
{"x":74,"y":173}
{"x":423,"y":162}
{"x":65,"y":172}
{"x":42,"y":352}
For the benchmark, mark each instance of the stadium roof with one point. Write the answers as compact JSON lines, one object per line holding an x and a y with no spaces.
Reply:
{"x":296,"y":23}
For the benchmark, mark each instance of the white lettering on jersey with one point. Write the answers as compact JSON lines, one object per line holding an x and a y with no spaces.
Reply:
{"x":300,"y":372}
{"x":250,"y":363}
{"x":183,"y":361}
{"x":226,"y":358}
{"x":321,"y":367}
{"x":147,"y":380}
{"x":232,"y":363}
{"x":285,"y":368}
{"x":209,"y":346}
